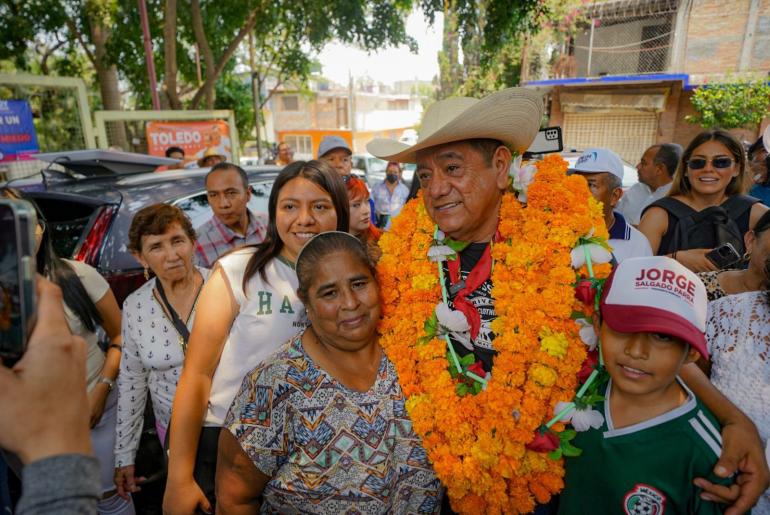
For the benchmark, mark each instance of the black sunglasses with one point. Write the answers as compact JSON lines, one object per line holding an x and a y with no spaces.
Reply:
{"x":698,"y":163}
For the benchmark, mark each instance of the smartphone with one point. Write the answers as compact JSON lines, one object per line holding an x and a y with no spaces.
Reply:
{"x":724,"y":255}
{"x":17,"y":277}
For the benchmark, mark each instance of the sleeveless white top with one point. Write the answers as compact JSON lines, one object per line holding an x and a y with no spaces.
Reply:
{"x":270,"y":314}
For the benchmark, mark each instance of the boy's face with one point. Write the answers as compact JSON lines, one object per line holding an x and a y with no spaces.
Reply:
{"x":643,"y":363}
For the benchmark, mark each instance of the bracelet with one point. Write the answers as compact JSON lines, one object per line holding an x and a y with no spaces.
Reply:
{"x":109,"y":382}
{"x":115,"y":346}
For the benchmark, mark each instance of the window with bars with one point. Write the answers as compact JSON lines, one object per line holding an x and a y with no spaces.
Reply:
{"x":301,"y":144}
{"x":628,"y":134}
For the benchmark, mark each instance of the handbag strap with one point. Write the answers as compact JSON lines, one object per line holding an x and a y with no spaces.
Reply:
{"x":179,"y":324}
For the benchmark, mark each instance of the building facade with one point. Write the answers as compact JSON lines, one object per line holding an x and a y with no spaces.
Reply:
{"x":625,"y":79}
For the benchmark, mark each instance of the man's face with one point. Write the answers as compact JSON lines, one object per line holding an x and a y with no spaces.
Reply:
{"x":462,"y":191}
{"x":227,"y":196}
{"x":339,"y":159}
{"x":599,"y":185}
{"x":758,"y":166}
{"x":176,"y":155}
{"x":211,"y":161}
{"x":284,"y":152}
{"x":647,"y":167}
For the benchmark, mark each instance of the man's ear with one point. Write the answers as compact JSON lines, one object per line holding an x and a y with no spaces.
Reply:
{"x":615,"y":196}
{"x":501,"y":163}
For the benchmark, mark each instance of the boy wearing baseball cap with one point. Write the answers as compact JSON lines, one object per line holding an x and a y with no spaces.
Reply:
{"x":657,"y":437}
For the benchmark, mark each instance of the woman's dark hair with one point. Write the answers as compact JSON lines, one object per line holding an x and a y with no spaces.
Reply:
{"x":323,"y":176}
{"x":171,"y":150}
{"x":755,"y":147}
{"x":321,"y":246}
{"x":156,"y":219}
{"x":762,"y":224}
{"x":59,"y":271}
{"x":737,"y":186}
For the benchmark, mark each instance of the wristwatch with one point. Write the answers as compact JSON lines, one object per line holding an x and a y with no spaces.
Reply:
{"x":109,"y":382}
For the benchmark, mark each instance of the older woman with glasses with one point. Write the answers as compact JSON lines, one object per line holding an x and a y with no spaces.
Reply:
{"x":706,"y":207}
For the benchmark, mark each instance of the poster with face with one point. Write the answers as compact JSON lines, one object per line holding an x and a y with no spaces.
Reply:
{"x":192,"y":137}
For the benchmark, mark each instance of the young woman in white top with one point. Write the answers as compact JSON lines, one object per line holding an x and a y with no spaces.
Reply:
{"x":157,"y":319}
{"x":247,"y":309}
{"x":88,"y":303}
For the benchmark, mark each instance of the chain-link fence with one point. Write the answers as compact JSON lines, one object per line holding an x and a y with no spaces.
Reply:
{"x":62,"y":121}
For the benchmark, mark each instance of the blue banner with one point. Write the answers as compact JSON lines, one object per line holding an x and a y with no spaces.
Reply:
{"x":18,"y":140}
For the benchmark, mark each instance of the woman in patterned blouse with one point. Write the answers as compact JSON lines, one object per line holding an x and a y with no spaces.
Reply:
{"x":320,"y":426}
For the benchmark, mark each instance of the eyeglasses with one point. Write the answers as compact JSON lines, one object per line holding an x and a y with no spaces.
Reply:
{"x":699,"y":163}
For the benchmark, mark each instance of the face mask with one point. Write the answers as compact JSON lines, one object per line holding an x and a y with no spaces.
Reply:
{"x":391,"y":178}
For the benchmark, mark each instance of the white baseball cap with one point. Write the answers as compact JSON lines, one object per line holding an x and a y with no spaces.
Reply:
{"x":656,"y":295}
{"x":598,"y":160}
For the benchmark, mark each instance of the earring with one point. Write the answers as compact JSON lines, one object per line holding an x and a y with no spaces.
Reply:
{"x":146,"y":274}
{"x":746,"y":256}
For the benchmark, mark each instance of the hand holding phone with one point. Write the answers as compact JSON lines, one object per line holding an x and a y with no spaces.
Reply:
{"x":17,"y":277}
{"x":724,"y":256}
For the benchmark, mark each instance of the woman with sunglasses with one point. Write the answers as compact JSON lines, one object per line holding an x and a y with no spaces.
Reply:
{"x":248,"y":307}
{"x":706,"y":206}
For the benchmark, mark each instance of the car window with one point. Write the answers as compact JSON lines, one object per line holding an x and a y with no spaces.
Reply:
{"x":196,"y":207}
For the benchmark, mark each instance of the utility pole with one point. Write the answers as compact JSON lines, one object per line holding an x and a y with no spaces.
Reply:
{"x":256,"y":92}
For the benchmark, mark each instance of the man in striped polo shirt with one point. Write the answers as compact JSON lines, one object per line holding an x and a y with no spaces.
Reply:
{"x":657,"y":437}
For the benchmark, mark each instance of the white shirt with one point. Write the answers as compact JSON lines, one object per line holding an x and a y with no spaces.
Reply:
{"x":152,"y":361}
{"x":738,"y":335}
{"x":96,"y":287}
{"x":626,"y":241}
{"x":270,"y":313}
{"x":639,"y":196}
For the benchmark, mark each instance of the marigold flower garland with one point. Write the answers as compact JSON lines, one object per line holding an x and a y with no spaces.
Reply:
{"x":478,"y":443}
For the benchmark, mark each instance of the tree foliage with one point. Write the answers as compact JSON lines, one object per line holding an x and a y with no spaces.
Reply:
{"x":731,"y":105}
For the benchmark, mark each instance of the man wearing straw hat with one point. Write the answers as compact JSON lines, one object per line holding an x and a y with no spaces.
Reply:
{"x":463,"y":155}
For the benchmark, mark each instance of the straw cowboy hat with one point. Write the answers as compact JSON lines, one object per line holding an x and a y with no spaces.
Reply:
{"x":210,"y":152}
{"x":512,"y":116}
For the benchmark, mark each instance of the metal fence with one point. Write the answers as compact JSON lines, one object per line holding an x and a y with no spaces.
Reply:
{"x":60,"y":112}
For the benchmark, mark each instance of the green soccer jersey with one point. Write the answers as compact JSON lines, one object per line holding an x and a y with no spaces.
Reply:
{"x":647,"y":468}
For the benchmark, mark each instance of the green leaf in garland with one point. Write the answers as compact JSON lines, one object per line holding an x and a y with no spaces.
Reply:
{"x":567,"y":435}
{"x":467,"y":360}
{"x":431,"y":325}
{"x":461,"y":389}
{"x":457,"y":246}
{"x":570,"y":450}
{"x":555,"y":454}
{"x":476,"y":388}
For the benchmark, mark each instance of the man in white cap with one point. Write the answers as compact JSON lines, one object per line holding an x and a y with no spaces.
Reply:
{"x":603,"y":171}
{"x":463,"y":154}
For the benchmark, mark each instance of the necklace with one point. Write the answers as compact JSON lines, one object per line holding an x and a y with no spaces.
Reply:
{"x":477,"y":443}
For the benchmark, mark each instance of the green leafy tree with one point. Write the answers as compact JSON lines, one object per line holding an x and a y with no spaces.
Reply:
{"x":731,"y":105}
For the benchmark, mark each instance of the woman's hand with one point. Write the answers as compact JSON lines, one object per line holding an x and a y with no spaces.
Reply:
{"x":696,"y":260}
{"x":126,"y":482}
{"x":97,"y":398}
{"x":183,"y":498}
{"x":742,"y":452}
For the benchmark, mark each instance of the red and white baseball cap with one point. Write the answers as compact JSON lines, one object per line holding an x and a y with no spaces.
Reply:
{"x":656,"y":295}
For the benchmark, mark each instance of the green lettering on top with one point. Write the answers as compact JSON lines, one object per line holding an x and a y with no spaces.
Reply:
{"x":286,"y":305}
{"x":264,"y":303}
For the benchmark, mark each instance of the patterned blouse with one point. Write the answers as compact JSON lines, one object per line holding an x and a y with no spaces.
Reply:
{"x":151,"y":362}
{"x":713,"y":289}
{"x":329,"y":449}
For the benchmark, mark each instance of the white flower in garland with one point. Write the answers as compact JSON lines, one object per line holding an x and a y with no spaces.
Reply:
{"x":522,"y":177}
{"x":440,"y":253}
{"x":598,"y":254}
{"x":454,"y":323}
{"x":581,"y":419}
{"x":587,"y":333}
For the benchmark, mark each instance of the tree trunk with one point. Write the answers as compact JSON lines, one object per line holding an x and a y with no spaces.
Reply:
{"x":107,"y":74}
{"x":213,"y":71}
{"x":450,"y":71}
{"x":207,"y":90}
{"x":169,"y":51}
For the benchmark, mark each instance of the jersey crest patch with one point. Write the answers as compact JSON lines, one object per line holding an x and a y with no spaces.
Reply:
{"x":644,"y":500}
